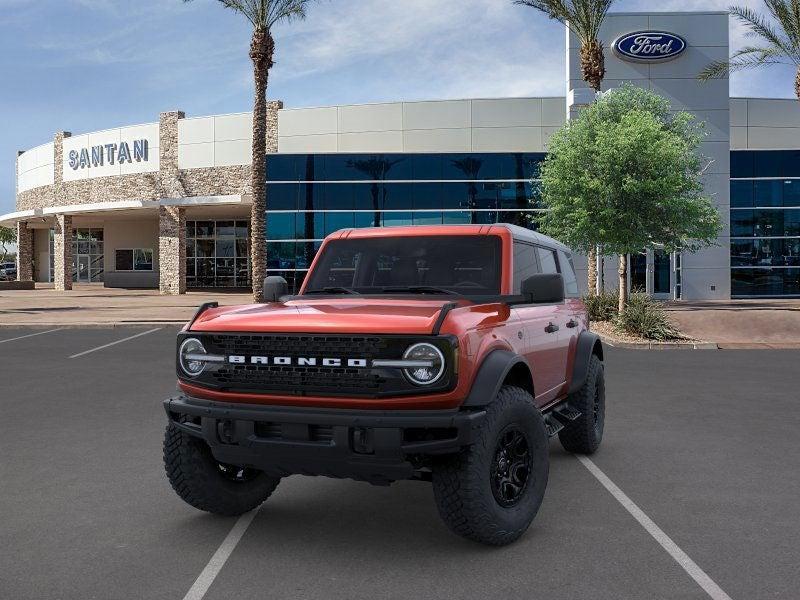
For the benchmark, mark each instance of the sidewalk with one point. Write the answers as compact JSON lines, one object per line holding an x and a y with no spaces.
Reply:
{"x":91,"y":305}
{"x":740,"y":323}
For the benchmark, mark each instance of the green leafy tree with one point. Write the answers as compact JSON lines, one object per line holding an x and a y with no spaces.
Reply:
{"x":627,"y":174}
{"x":263,"y":15}
{"x":7,"y":237}
{"x":584,"y":19}
{"x":778,"y":40}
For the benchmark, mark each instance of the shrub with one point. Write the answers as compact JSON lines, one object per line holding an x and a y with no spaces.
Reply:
{"x":646,"y":318}
{"x":602,"y":307}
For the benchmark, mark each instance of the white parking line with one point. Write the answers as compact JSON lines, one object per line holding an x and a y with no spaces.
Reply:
{"x":22,"y":337}
{"x":214,"y":566}
{"x":695,"y":572}
{"x":115,"y":343}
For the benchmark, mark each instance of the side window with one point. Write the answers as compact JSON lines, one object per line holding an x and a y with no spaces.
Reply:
{"x":525,"y":264}
{"x":547,"y":259}
{"x":568,"y":271}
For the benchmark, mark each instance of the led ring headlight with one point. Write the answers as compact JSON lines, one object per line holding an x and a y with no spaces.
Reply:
{"x":191,"y":357}
{"x":425,"y":353}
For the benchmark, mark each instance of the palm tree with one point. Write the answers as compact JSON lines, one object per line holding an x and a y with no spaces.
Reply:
{"x":780,"y":41}
{"x":584,"y":19}
{"x":263,"y":15}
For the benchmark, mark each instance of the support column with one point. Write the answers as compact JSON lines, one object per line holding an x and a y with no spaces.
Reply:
{"x":24,"y":252}
{"x":172,"y":250}
{"x":62,"y":251}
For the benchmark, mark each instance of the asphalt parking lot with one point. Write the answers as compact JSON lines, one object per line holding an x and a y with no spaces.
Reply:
{"x":705,"y":443}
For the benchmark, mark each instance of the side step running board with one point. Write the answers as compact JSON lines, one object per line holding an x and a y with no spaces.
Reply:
{"x":559,"y":417}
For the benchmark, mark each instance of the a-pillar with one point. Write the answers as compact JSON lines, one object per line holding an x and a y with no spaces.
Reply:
{"x":171,"y":250}
{"x":24,"y":252}
{"x":62,"y":253}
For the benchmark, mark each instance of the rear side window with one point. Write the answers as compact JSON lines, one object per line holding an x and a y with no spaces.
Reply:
{"x":547,"y":260}
{"x":525,"y":264}
{"x":568,"y":271}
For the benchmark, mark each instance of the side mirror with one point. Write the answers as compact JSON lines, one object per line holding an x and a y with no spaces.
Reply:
{"x":544,"y":288}
{"x":275,"y":286}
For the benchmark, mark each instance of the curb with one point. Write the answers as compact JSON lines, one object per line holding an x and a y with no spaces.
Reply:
{"x":659,"y":345}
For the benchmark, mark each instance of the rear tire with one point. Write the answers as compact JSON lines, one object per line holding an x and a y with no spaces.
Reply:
{"x":204,"y":483}
{"x":584,"y":434}
{"x":491,"y":491}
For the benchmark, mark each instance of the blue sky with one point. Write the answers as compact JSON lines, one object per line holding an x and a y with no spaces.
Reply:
{"x":84,"y":65}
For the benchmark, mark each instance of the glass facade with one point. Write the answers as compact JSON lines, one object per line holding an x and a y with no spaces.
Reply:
{"x":310,"y":196}
{"x":217,"y":254}
{"x":765,"y":223}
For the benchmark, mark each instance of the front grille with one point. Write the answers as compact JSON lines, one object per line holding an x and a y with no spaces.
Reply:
{"x":294,"y":380}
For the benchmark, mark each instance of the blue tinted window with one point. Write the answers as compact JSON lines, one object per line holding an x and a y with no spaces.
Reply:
{"x":791,"y":222}
{"x":426,"y":166}
{"x":394,"y":219}
{"x":367,"y":219}
{"x":396,"y":196}
{"x":455,"y":195}
{"x":768,"y":164}
{"x":464,"y":166}
{"x":457,"y":217}
{"x":281,"y":226}
{"x":282,"y":167}
{"x":311,"y":196}
{"x":742,"y":164}
{"x":768,"y":193}
{"x":427,"y":195}
{"x":337,"y":221}
{"x":306,"y":225}
{"x":339,"y":196}
{"x":791,"y":192}
{"x":742,"y":223}
{"x":282,"y":196}
{"x":779,"y":253}
{"x":367,"y":196}
{"x":427,"y":218}
{"x":765,"y":282}
{"x":741,"y":194}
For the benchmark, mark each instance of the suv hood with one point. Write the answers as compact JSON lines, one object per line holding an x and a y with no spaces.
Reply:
{"x":346,"y":315}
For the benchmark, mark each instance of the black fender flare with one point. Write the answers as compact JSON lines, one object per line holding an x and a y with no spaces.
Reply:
{"x":491,"y":374}
{"x":588,"y":344}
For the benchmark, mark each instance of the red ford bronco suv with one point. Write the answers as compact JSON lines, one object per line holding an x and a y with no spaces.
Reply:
{"x":447,"y":354}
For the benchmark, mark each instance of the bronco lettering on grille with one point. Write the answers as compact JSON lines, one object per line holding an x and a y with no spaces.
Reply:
{"x":288,"y":361}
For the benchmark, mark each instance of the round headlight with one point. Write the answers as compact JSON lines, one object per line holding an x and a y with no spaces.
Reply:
{"x":188,"y":357}
{"x":431,"y":366}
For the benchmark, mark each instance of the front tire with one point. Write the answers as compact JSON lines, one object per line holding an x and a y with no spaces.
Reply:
{"x":584,"y":434}
{"x":208,"y":485}
{"x":491,"y":491}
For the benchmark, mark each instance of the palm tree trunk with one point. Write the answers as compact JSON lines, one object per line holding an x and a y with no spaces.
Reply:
{"x":592,"y":270}
{"x":593,"y":70}
{"x":797,"y":84}
{"x":261,"y":51}
{"x":623,"y":282}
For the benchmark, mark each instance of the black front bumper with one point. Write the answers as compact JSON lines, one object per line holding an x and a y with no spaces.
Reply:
{"x":369,"y":445}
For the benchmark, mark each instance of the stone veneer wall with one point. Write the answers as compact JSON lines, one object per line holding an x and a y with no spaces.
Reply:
{"x":24,"y":252}
{"x":62,"y":251}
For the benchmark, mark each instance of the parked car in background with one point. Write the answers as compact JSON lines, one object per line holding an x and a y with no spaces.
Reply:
{"x":8,"y":271}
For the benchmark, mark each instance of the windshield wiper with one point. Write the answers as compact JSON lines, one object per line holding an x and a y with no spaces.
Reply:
{"x":420,"y":289}
{"x":333,"y":290}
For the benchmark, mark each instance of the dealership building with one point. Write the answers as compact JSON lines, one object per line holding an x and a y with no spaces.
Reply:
{"x":167,"y":204}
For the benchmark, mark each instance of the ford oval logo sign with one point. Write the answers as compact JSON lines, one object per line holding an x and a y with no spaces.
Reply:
{"x":649,"y":46}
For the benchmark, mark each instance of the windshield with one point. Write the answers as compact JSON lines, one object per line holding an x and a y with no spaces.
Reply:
{"x":446,"y":264}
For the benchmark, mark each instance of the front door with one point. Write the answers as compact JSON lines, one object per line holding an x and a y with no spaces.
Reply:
{"x":662,"y":272}
{"x":83,"y":269}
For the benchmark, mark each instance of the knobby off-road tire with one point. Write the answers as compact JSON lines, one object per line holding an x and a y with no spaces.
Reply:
{"x":205,"y":484}
{"x":465,"y":485}
{"x":584,"y":434}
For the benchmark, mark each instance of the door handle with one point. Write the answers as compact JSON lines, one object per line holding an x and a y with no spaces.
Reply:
{"x":572,"y":323}
{"x":552,"y":328}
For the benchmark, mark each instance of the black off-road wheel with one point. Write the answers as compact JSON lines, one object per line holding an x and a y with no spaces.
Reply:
{"x":584,"y":434}
{"x":491,"y":491}
{"x":201,"y":481}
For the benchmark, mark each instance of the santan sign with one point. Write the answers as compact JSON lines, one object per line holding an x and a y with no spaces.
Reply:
{"x":97,"y":156}
{"x":649,"y":46}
